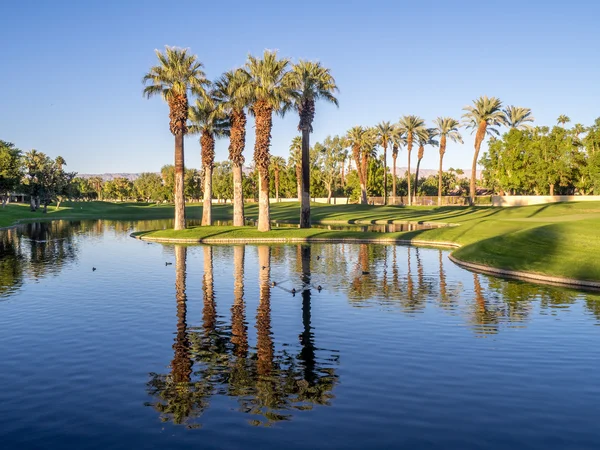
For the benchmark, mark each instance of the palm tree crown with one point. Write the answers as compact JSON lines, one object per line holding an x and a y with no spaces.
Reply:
{"x":311,"y":81}
{"x":562,"y":119}
{"x":447,"y":128}
{"x":517,"y":117}
{"x":270,"y":81}
{"x":486,"y":110}
{"x":177,"y":73}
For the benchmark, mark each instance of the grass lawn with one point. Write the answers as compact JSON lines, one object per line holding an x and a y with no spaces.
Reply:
{"x":561,"y":239}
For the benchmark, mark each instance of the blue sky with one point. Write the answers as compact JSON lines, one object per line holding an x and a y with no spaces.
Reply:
{"x":71,"y":71}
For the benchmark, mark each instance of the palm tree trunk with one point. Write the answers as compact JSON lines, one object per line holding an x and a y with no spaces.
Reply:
{"x":417,"y":177}
{"x":179,"y":194}
{"x":385,"y":174}
{"x":409,"y":141}
{"x":442,"y":151}
{"x":207,"y":205}
{"x":343,"y":174}
{"x":363,"y":186}
{"x":305,"y":203}
{"x":394,"y":156}
{"x":299,"y":182}
{"x":329,"y":193}
{"x":276,"y":185}
{"x":478,"y":140}
{"x":237,"y":142}
{"x":263,"y":125}
{"x":209,"y":309}
{"x":238,"y":196}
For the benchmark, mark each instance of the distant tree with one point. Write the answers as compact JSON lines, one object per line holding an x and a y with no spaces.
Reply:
{"x":363,"y":141}
{"x":296,"y":161}
{"x":223,"y":180}
{"x":149,"y":187}
{"x":447,"y":128}
{"x":517,"y":117}
{"x":277,"y":165}
{"x":424,"y":137}
{"x":11,"y":169}
{"x":562,"y":119}
{"x":398,"y":141}
{"x":410,"y":127}
{"x":385,"y":134}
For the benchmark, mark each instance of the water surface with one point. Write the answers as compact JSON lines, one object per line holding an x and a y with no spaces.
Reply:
{"x":293,"y":346}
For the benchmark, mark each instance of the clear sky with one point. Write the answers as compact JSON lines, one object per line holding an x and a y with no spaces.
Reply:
{"x":71,"y":71}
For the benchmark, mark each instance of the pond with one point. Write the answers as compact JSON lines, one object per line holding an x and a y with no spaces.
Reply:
{"x":111,"y":342}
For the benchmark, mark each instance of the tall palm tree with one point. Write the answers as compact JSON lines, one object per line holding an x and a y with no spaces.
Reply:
{"x":271,"y":92}
{"x":447,"y":128}
{"x":296,"y":158}
{"x":208,"y":120}
{"x":562,"y":119}
{"x":311,"y":81}
{"x":277,"y":164}
{"x":177,"y":74}
{"x":362,"y":141}
{"x":385,"y":134}
{"x":425,"y":137}
{"x":398,"y":141}
{"x":517,"y":117}
{"x":485,"y":114}
{"x":233,"y":92}
{"x":410,"y":127}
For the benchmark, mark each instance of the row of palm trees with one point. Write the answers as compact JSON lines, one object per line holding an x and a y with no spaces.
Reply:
{"x":262,"y":87}
{"x":484,"y":117}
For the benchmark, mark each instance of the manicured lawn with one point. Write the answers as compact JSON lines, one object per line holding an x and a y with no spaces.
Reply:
{"x":559,"y":239}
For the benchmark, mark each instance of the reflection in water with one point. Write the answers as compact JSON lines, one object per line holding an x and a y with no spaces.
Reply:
{"x":216,"y":360}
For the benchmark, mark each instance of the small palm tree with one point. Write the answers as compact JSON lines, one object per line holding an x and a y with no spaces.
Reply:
{"x":517,"y":117}
{"x":385,"y":133}
{"x":233,"y":92}
{"x":425,"y":137}
{"x":562,"y":119}
{"x":207,"y":119}
{"x":271,"y":91}
{"x":177,"y":74}
{"x":310,"y":82}
{"x":447,"y":128}
{"x":398,"y":141}
{"x":485,"y":114}
{"x":296,"y":158}
{"x":277,"y":164}
{"x":410,"y":127}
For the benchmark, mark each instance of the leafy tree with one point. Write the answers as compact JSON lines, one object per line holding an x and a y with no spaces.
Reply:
{"x":223,"y":180}
{"x":177,"y":74}
{"x":149,"y":187}
{"x":310,"y":82}
{"x":11,"y":169}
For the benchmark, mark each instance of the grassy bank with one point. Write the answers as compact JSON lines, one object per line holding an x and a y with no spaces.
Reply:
{"x":558,"y":239}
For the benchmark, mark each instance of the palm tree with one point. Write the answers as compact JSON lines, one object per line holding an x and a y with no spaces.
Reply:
{"x":385,"y":133}
{"x":398,"y":140}
{"x":517,"y":117}
{"x":483,"y":117}
{"x":410,"y":127}
{"x":310,"y":82}
{"x":177,"y":74}
{"x":271,"y":92}
{"x":233,"y":92}
{"x":425,"y":137}
{"x":447,"y":128}
{"x":562,"y":119}
{"x":277,"y":164}
{"x":296,"y":158}
{"x":207,"y":119}
{"x":362,"y":141}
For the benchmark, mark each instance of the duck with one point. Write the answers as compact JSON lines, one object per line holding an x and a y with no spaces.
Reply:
{"x":319,"y":288}
{"x":168,"y":264}
{"x":273,"y":284}
{"x":318,"y":257}
{"x":365,"y":272}
{"x":294,"y":291}
{"x":93,"y":269}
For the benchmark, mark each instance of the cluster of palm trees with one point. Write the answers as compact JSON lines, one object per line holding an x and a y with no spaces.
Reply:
{"x":483,"y":117}
{"x":265,"y":85}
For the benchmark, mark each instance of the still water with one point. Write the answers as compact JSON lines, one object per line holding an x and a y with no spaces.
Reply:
{"x":289,"y":346}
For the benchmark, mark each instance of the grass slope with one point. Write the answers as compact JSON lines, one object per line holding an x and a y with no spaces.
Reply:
{"x":560,"y":239}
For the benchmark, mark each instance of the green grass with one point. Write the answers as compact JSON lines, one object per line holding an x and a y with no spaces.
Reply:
{"x":559,"y":239}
